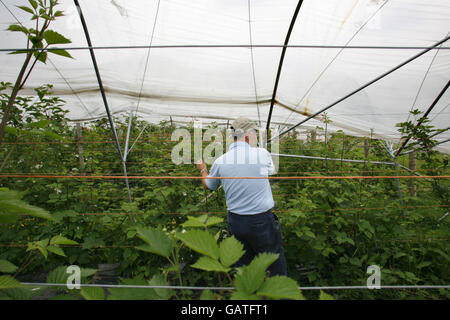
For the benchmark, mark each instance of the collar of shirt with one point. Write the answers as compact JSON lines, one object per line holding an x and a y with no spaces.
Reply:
{"x":238,"y":144}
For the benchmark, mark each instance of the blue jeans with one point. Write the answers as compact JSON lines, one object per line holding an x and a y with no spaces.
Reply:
{"x":258,"y":233}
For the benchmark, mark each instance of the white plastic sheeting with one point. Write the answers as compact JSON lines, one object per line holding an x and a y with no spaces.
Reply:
{"x":221,"y":83}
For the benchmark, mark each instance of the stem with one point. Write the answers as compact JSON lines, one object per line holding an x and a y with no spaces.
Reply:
{"x":229,"y":278}
{"x":6,"y":158}
{"x":32,"y":66}
{"x":30,"y":259}
{"x":13,"y":96}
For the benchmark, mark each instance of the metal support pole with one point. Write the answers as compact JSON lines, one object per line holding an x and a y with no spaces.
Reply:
{"x":280,"y":65}
{"x":422,"y":119}
{"x":102,"y":91}
{"x":125,"y":151}
{"x":125,"y":155}
{"x":389,"y":148}
{"x":407,"y":152}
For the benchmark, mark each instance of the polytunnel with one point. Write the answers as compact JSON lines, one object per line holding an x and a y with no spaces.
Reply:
{"x":358,"y":68}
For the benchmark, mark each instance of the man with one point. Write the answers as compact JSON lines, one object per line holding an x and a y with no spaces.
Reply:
{"x":249,"y":201}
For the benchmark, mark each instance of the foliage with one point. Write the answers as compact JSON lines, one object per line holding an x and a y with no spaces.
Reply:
{"x":39,"y":39}
{"x":174,"y":232}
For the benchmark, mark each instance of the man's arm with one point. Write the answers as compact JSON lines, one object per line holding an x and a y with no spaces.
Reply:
{"x":203,"y":171}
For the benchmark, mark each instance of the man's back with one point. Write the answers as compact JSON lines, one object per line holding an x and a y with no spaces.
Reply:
{"x":244,"y":196}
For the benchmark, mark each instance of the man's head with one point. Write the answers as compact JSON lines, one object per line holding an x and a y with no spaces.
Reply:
{"x":244,"y":130}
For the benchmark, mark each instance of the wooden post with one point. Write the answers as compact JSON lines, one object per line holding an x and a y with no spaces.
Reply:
{"x":366,"y":148}
{"x":412,"y":166}
{"x":366,"y":155}
{"x":313,"y":135}
{"x":79,"y":134}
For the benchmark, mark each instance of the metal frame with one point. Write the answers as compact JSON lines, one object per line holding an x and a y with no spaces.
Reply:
{"x":280,"y":65}
{"x":422,"y":119}
{"x":191,"y":46}
{"x":363,"y":87}
{"x":102,"y":91}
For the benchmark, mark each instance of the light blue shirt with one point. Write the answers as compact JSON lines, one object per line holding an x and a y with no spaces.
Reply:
{"x":244,"y":196}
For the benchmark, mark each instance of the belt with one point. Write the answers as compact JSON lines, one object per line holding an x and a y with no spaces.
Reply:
{"x":255,"y":214}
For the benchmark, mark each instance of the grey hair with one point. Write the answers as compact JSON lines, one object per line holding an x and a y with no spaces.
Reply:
{"x":239,"y":133}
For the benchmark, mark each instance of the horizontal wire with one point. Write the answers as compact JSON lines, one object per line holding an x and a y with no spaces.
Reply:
{"x":287,"y":172}
{"x":276,"y":211}
{"x":193,"y":46}
{"x":123,"y":286}
{"x":22,"y":245}
{"x":219,"y":178}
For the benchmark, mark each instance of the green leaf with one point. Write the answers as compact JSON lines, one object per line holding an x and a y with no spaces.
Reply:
{"x":280,"y":287}
{"x":202,"y":221}
{"x":8,"y":217}
{"x":87,"y":272}
{"x":423,"y":264}
{"x":43,"y":251}
{"x":11,"y":203}
{"x":200,"y":241}
{"x":26,"y":9}
{"x":23,"y":293}
{"x":53,"y":37}
{"x":56,"y":250}
{"x":158,"y":280}
{"x":132,"y":293}
{"x":230,"y":250}
{"x":157,"y":240}
{"x":7,"y":267}
{"x":238,"y":295}
{"x":60,"y":52}
{"x":33,"y":3}
{"x":90,"y":243}
{"x":325,"y":296}
{"x":18,"y":52}
{"x":61,"y":240}
{"x":41,"y":56}
{"x":209,"y":264}
{"x":7,"y":282}
{"x":58,"y":275}
{"x":92,"y":293}
{"x":253,"y":275}
{"x":64,"y":297}
{"x":46,"y":17}
{"x":18,"y":28}
{"x":207,"y":295}
{"x":193,"y":222}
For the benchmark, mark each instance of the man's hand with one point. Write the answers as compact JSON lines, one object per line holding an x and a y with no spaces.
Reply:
{"x":201,"y":165}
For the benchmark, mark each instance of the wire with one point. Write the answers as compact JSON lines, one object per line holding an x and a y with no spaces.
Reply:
{"x":423,"y":81}
{"x":275,"y":211}
{"x":148,"y":58}
{"x":362,"y":87}
{"x":401,"y":287}
{"x":218,"y":178}
{"x":253,"y":62}
{"x":192,"y":46}
{"x":334,"y":59}
{"x":54,"y":66}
